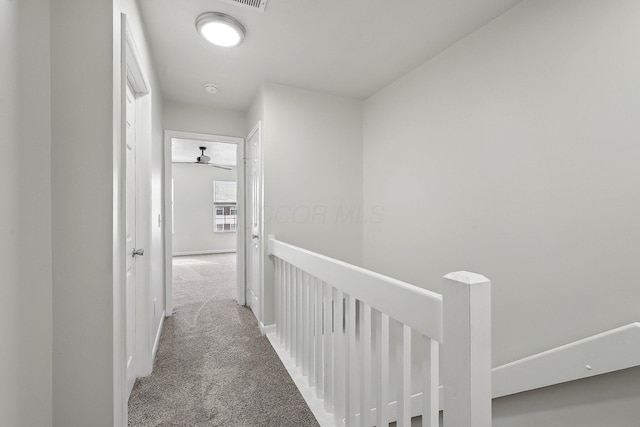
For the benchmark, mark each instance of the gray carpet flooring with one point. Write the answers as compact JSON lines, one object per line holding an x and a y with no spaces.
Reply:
{"x":213,"y":367}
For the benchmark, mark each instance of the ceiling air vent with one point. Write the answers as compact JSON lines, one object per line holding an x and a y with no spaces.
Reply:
{"x":257,"y":5}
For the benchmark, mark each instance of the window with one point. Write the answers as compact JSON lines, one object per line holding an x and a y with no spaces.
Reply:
{"x":224,"y":206}
{"x":226,"y":218}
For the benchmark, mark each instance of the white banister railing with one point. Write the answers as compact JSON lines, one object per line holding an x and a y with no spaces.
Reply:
{"x":347,"y":336}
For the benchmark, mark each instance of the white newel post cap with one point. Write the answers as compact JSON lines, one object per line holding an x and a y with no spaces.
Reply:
{"x":467,"y":277}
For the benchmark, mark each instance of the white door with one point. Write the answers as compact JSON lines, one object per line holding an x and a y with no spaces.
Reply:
{"x":254,"y":222}
{"x":130,"y":178}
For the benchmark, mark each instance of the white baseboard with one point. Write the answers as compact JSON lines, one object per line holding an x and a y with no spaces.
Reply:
{"x":156,"y":343}
{"x":206,"y":252}
{"x":267,"y":329}
{"x":324,"y":418}
{"x":252,"y":303}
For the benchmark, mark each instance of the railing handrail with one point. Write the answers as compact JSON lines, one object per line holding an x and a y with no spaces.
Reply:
{"x":411,"y":305}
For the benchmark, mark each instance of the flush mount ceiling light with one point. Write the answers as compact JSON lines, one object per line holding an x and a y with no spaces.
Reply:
{"x":220,"y":29}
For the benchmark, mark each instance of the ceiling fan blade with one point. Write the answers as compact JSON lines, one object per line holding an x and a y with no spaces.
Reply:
{"x":220,"y":166}
{"x":215,"y":165}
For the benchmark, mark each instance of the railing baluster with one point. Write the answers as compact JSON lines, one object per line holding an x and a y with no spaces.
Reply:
{"x":430,"y":383}
{"x":327,"y":339}
{"x":283,"y":293}
{"x":276,"y":267}
{"x":283,"y":306}
{"x":338,"y":357}
{"x":305,"y":324}
{"x":286,"y":307}
{"x":294,"y":271}
{"x":277,"y":299}
{"x":351,"y":377}
{"x":297,"y":318}
{"x":319,"y":364}
{"x":365,"y":375}
{"x":309,"y":339}
{"x":283,"y":290}
{"x":404,"y":399}
{"x":294,"y":317}
{"x":382,"y":405}
{"x":299,"y":325}
{"x":280,"y":295}
{"x":290,"y":311}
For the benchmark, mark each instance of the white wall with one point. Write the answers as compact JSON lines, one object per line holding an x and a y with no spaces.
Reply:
{"x":82,"y":195}
{"x":201,"y":119}
{"x":312,"y":163}
{"x":25,"y":215}
{"x":255,"y":113}
{"x":193,"y":209}
{"x":514,"y":154}
{"x":86,"y":76}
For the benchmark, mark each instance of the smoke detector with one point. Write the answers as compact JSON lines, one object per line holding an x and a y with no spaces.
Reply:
{"x":211,"y":88}
{"x":256,"y":5}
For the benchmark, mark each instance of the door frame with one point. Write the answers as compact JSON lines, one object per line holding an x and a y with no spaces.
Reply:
{"x":257,"y":129}
{"x":131,"y":73}
{"x":168,"y":217}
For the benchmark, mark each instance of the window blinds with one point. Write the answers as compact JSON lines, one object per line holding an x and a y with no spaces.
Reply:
{"x":224,"y":192}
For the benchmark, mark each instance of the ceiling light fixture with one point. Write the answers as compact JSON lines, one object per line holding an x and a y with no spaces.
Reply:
{"x":220,"y":29}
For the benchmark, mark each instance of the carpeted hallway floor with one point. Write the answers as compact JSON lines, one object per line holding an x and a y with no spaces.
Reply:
{"x":213,"y":367}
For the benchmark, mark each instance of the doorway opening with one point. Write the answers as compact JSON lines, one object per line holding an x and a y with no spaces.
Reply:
{"x":204,"y":203}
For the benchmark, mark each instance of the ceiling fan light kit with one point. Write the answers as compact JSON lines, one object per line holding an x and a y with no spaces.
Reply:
{"x":203,"y":159}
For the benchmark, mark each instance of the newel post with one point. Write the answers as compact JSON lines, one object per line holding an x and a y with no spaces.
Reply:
{"x":467,"y":350}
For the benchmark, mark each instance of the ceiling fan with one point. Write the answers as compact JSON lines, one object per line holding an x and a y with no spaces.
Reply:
{"x":203,"y":159}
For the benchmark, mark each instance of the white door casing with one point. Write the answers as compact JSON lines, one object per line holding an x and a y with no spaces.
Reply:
{"x":254,"y":210}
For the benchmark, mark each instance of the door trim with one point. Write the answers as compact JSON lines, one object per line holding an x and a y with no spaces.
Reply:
{"x":166,"y":202}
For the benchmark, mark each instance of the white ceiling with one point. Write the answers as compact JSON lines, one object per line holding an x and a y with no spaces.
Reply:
{"x":347,"y":47}
{"x":187,"y":151}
